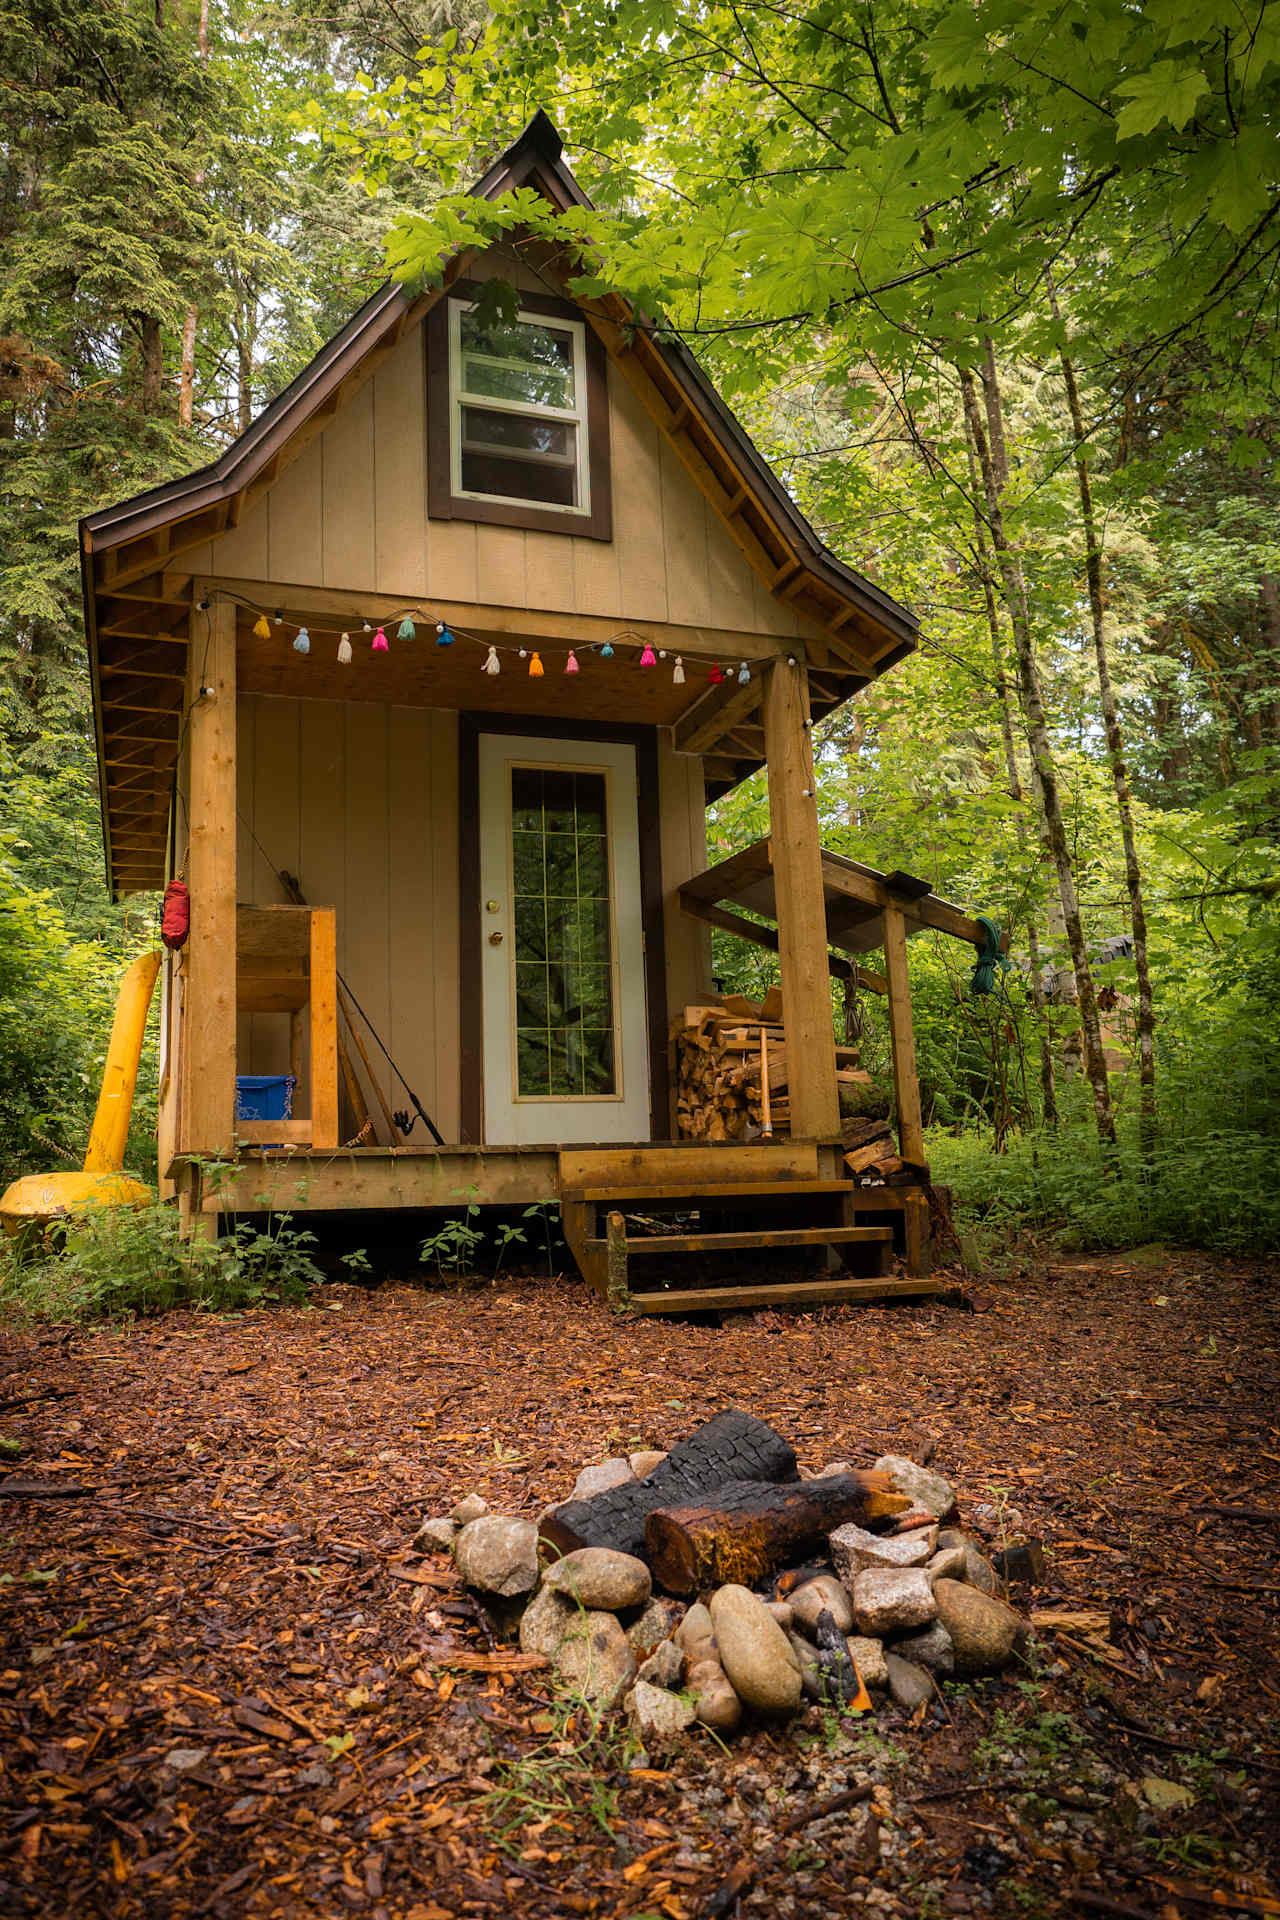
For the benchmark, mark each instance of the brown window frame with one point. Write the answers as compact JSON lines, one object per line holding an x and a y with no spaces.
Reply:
{"x":443,"y":503}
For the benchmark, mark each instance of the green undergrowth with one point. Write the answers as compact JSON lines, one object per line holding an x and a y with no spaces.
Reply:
{"x":1217,"y":1186}
{"x":118,"y":1262}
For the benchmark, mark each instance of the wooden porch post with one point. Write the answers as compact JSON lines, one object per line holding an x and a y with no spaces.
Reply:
{"x":906,"y":1087}
{"x":207,"y":1123}
{"x":802,"y":920}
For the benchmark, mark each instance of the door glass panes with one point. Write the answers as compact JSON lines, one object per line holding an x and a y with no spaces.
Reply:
{"x":563,"y":934}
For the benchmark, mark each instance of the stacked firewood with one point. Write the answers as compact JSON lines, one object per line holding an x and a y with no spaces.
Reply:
{"x":732,"y":1070}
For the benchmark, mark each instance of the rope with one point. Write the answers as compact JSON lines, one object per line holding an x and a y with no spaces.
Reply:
{"x":983,"y":978}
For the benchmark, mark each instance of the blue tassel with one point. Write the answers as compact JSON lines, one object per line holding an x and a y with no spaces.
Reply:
{"x":443,"y":636}
{"x":744,"y":674}
{"x":406,"y":630}
{"x":302,"y":641}
{"x":606,"y":651}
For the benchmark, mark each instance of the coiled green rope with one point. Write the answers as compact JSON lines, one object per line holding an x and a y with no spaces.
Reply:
{"x":983,"y":978}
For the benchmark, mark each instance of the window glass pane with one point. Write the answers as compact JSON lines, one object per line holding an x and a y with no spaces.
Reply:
{"x":563,"y":956}
{"x":534,"y":1061}
{"x":501,"y":479}
{"x":520,"y":361}
{"x":520,"y":436}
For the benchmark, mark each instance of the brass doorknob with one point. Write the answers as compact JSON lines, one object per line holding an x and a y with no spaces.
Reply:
{"x":495,"y":939}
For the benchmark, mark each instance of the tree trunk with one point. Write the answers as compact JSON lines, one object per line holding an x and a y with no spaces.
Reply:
{"x":1032,"y":697}
{"x":1048,"y":1086}
{"x":746,"y":1530}
{"x":731,"y":1447}
{"x":152,"y":363}
{"x":187,"y":371}
{"x":1119,"y":768}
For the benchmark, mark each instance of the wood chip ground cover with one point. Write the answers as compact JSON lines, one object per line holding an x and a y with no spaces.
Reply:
{"x":227,"y":1688}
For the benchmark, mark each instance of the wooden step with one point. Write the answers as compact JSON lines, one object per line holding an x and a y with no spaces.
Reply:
{"x":704,"y":1190}
{"x":693,"y":1160}
{"x":754,"y":1239}
{"x":798,"y":1293}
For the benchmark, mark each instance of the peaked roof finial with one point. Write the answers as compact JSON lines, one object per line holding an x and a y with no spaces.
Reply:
{"x":539,"y":139}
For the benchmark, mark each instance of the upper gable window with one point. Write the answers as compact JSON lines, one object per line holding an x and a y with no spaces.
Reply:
{"x":518,"y":414}
{"x":518,"y":418}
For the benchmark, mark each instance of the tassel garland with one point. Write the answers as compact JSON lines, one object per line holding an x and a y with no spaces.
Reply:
{"x":406,"y":629}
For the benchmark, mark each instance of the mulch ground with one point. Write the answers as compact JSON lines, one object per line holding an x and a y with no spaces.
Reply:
{"x":227,"y":1687}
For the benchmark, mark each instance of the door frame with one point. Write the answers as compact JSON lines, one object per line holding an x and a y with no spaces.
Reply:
{"x":470,"y":1008}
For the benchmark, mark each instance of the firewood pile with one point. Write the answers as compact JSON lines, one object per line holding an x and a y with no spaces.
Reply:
{"x":717,"y":1581}
{"x":733,"y":1071}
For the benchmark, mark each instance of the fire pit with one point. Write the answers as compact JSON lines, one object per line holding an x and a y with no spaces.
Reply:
{"x":717,"y":1580}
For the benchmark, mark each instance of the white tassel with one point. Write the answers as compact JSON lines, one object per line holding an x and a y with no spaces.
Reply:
{"x":492,"y":663}
{"x":344,"y":650}
{"x":677,"y":675}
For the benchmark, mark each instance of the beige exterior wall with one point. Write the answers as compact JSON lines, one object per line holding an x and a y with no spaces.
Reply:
{"x":350,"y":513}
{"x":360,"y":802}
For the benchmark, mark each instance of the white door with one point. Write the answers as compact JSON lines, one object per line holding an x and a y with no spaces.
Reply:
{"x":562,"y":939}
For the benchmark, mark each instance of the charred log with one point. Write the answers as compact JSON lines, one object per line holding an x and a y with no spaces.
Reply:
{"x":746,"y":1530}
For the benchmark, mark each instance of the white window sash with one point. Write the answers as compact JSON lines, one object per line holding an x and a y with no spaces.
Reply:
{"x":575,"y":416}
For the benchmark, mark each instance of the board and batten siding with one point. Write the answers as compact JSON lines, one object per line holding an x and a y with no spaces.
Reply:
{"x":350,"y":513}
{"x":360,"y":802}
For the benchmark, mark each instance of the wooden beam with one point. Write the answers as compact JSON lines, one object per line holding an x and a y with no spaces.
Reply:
{"x":860,"y":883}
{"x":837,"y":966}
{"x":324,"y":1028}
{"x":906,"y":1087}
{"x":303,"y":605}
{"x":802,"y":921}
{"x":207,"y":1125}
{"x":711,"y":717}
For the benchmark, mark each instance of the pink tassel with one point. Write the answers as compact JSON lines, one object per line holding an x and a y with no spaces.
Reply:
{"x":379,"y":642}
{"x":648,"y":658}
{"x":571,"y":664}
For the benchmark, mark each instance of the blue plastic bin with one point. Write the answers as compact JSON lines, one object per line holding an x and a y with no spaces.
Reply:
{"x":264,"y":1096}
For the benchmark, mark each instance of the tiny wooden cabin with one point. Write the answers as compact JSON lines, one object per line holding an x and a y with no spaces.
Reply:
{"x":423,"y":688}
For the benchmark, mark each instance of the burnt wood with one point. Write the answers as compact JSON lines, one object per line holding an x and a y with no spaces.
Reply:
{"x":746,"y":1530}
{"x":731,"y":1447}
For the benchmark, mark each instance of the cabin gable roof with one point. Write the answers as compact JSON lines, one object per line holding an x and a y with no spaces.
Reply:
{"x":138,"y":557}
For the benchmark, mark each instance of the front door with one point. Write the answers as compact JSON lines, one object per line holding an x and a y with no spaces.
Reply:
{"x":562,"y":939}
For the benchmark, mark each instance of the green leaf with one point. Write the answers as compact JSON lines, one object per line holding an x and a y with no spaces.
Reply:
{"x":1170,"y":90}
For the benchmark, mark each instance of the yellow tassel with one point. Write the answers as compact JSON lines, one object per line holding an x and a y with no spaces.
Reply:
{"x":536,"y":667}
{"x":262,"y":627}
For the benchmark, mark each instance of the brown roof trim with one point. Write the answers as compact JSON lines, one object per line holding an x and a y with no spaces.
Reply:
{"x":538,"y":152}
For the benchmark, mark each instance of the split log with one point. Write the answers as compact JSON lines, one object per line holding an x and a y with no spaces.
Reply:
{"x":731,"y":1447}
{"x":747,"y":1530}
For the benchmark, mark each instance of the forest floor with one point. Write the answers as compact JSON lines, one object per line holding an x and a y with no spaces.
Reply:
{"x":227,"y":1688}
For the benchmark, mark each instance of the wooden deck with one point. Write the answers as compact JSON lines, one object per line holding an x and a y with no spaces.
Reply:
{"x":666,"y":1227}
